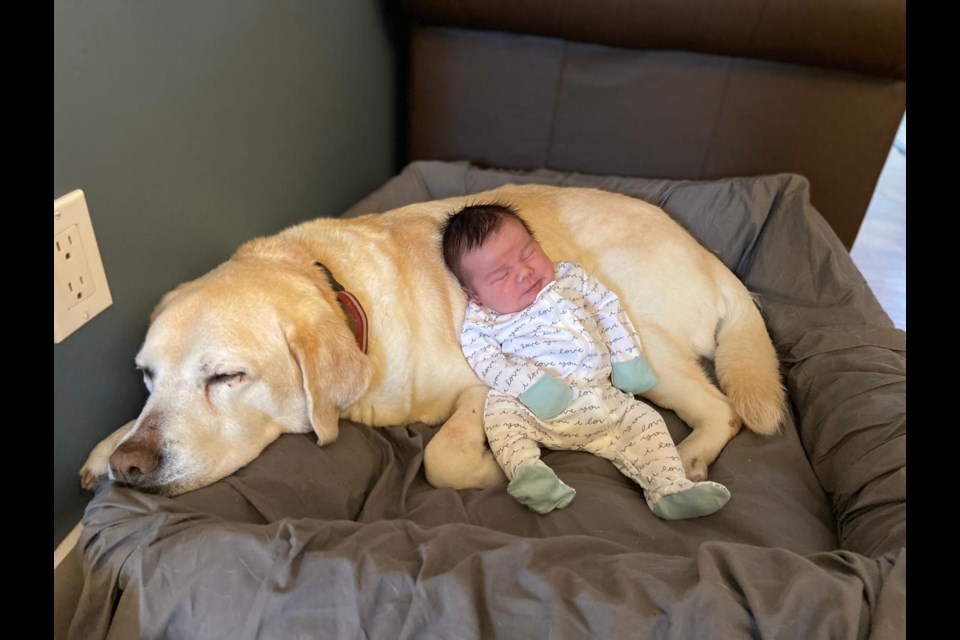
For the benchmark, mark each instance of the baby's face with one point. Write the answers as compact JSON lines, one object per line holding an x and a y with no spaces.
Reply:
{"x":508,"y":271}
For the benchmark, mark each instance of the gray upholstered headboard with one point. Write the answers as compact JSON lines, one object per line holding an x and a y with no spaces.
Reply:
{"x":657,"y":88}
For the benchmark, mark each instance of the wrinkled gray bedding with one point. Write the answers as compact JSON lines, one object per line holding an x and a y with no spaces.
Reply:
{"x":350,"y":541}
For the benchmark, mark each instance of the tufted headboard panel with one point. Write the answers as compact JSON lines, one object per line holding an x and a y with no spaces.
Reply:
{"x":659,"y":89}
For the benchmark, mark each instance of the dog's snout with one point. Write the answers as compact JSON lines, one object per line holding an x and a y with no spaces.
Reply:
{"x":132,"y":463}
{"x":136,"y":459}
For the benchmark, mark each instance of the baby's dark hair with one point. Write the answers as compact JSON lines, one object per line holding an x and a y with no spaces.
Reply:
{"x":470,"y":227}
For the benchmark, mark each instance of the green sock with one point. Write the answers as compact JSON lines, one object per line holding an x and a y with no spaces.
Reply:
{"x":702,"y":499}
{"x":539,"y":489}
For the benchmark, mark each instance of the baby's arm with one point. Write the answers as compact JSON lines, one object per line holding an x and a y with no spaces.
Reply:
{"x":631,"y":371}
{"x":543,"y":393}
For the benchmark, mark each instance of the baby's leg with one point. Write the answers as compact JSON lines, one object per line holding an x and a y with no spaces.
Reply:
{"x":645,"y":452}
{"x":512,"y":432}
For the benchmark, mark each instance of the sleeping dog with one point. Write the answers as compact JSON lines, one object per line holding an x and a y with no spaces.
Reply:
{"x":359,"y":318}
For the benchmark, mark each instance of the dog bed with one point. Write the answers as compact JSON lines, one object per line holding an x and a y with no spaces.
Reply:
{"x":349,"y":540}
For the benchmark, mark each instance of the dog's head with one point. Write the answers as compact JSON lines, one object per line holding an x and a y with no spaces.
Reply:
{"x":255,"y":348}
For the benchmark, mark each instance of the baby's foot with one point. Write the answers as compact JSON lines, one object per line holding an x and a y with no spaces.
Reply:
{"x":539,"y":489}
{"x":702,"y":499}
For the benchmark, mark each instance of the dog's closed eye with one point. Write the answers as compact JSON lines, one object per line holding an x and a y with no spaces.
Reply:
{"x":230,"y":379}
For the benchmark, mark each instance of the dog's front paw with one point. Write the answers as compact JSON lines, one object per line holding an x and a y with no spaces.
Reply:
{"x":96,"y":469}
{"x":92,"y":474}
{"x":89,"y":479}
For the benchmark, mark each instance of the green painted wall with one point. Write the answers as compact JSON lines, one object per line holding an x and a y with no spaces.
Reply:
{"x":192,"y":127}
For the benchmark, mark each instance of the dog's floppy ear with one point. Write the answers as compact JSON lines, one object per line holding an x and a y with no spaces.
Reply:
{"x":335,"y":372}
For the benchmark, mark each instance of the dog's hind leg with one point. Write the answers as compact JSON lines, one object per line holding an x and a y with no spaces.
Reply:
{"x":97,"y":467}
{"x":458,"y":456}
{"x":685,"y":388}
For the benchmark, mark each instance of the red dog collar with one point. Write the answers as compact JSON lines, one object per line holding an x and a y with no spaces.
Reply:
{"x":356,"y":317}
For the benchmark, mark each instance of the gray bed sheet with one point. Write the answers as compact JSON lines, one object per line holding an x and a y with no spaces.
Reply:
{"x":350,"y":541}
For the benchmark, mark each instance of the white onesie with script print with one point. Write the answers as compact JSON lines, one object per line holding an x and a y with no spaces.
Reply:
{"x":576,"y":331}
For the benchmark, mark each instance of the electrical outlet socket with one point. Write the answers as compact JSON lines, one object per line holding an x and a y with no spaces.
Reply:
{"x":80,"y":289}
{"x":72,"y":268}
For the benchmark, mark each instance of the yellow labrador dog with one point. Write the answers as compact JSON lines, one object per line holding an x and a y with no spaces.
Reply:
{"x":260,"y":346}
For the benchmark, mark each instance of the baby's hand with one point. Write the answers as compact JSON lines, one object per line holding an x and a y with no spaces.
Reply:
{"x":548,"y":397}
{"x":634,"y":376}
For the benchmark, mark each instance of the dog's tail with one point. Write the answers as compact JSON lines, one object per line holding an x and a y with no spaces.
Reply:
{"x":747,"y":365}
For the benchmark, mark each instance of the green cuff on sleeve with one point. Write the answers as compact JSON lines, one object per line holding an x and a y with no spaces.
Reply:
{"x":634,"y":376}
{"x":547,"y":398}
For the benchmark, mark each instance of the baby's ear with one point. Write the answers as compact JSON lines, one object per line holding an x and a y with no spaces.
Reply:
{"x":473,"y":297}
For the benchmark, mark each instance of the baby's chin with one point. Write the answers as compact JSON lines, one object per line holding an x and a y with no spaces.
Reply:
{"x":526,"y":299}
{"x":504,"y":309}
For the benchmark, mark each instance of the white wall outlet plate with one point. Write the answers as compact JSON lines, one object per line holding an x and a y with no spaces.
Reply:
{"x":80,"y":288}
